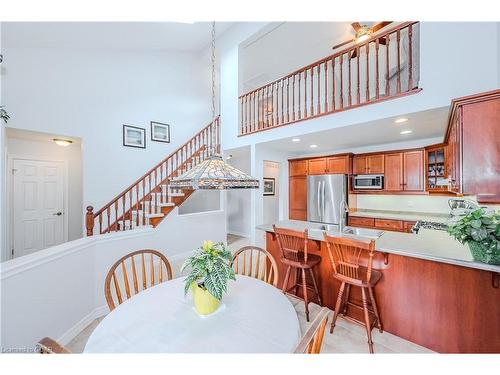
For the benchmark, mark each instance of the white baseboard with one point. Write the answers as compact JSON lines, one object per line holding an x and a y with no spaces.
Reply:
{"x":71,"y":333}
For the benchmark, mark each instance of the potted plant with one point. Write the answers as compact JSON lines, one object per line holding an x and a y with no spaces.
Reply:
{"x":3,"y":114}
{"x":210,"y":272}
{"x":480,"y":230}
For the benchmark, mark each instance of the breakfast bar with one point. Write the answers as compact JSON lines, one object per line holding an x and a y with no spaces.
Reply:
{"x":431,"y":293}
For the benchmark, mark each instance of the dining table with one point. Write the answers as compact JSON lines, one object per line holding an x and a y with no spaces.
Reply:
{"x":254,"y":317}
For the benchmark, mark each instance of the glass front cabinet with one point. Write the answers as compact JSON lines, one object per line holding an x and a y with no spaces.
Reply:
{"x":436,"y":171}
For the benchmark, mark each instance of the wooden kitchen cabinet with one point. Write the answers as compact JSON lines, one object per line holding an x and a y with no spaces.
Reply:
{"x":413,"y":170}
{"x":297,"y":168}
{"x":339,"y":164}
{"x":389,"y":224}
{"x":473,"y":146}
{"x":436,"y":168}
{"x":404,"y":171}
{"x":375,"y":164}
{"x":298,"y":198}
{"x":393,"y":174}
{"x":359,"y":165}
{"x":368,"y":164}
{"x":317,"y":166}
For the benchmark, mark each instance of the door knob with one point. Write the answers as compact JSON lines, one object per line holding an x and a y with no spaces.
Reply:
{"x":57,"y":214}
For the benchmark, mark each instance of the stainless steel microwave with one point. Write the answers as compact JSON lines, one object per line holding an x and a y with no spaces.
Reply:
{"x":369,"y":181}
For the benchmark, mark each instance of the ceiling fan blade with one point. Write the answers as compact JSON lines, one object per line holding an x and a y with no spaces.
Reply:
{"x":380,"y":25}
{"x":342,"y":44}
{"x":356,"y":26}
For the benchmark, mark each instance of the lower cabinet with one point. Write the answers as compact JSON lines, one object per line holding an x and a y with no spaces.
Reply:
{"x":382,"y":224}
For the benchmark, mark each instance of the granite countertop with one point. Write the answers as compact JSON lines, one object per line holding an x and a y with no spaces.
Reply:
{"x":428,"y":244}
{"x":401,"y":215}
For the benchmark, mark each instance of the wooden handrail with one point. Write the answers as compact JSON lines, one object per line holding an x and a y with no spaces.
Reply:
{"x":143,"y":193}
{"x":336,"y":82}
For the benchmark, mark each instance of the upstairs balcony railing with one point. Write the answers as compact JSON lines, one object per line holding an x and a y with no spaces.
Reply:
{"x":385,"y":66}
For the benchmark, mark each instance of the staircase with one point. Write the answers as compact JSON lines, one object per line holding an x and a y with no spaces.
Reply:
{"x":151,"y":198}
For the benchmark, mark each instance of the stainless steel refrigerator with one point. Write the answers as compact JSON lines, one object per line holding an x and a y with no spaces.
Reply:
{"x":324,"y":195}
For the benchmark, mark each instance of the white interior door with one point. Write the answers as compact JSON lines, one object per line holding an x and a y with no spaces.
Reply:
{"x":38,"y":205}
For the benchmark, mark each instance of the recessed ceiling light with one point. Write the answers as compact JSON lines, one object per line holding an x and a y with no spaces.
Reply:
{"x":62,"y":142}
{"x":400,"y":120}
{"x":313,"y":146}
{"x":406,"y":132}
{"x":296,"y":140}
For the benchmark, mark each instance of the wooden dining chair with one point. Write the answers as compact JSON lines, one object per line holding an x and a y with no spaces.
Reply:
{"x":295,"y":256}
{"x":49,"y":346}
{"x":154,"y":269}
{"x":352,"y":269}
{"x":255,"y":262}
{"x":313,"y":338}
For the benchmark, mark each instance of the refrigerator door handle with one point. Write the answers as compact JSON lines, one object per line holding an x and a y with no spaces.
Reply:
{"x":323,"y":199}
{"x":318,"y":199}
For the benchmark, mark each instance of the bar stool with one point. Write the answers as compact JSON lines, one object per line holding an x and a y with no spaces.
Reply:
{"x":293,"y":248}
{"x":349,"y":269}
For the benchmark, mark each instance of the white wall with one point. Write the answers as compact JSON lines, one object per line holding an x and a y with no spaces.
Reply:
{"x":3,"y":166}
{"x":201,"y":201}
{"x":271,"y":203}
{"x":58,"y":291}
{"x":73,"y":156}
{"x":238,"y":201}
{"x":90,"y":94}
{"x":455,"y":60}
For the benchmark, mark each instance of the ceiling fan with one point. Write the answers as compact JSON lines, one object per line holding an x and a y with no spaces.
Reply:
{"x":364,"y":32}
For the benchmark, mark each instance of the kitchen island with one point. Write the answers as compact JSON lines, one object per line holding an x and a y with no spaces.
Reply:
{"x":431,"y":293}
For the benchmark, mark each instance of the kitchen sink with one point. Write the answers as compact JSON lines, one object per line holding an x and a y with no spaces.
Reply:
{"x":363,"y":232}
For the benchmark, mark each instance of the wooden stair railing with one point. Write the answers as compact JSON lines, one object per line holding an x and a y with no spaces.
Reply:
{"x":149,"y":199}
{"x":383,"y":67}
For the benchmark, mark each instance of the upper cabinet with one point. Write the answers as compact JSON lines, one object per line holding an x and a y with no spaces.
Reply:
{"x":368,"y":164}
{"x":436,"y":168}
{"x":332,"y":164}
{"x":413,"y":168}
{"x":474,"y":146}
{"x":404,"y":171}
{"x":317,"y":166}
{"x":298,"y":168}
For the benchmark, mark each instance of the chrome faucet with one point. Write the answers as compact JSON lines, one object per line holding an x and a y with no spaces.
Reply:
{"x":344,"y":208}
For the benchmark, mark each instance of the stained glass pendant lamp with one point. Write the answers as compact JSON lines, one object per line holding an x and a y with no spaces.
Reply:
{"x":214,"y":172}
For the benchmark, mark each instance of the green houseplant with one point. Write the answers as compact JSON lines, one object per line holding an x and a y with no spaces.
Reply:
{"x":3,"y":114}
{"x":210,"y":270}
{"x":480,"y":230}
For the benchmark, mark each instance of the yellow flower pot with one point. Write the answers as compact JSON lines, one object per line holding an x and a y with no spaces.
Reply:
{"x":204,"y":302}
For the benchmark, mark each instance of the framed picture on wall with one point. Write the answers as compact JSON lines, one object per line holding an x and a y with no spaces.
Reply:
{"x":269,"y":186}
{"x":134,"y":136}
{"x":160,"y":132}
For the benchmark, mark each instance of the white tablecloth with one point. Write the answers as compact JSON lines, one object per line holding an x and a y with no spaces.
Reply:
{"x":255,"y":317}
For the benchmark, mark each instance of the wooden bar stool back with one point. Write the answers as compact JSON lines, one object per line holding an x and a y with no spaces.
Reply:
{"x":256,"y":262}
{"x":293,"y":247}
{"x":140,"y":269}
{"x":351,"y":268}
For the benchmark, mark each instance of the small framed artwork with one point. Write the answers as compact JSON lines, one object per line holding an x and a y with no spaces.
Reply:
{"x":134,"y":136}
{"x":269,"y":186}
{"x":160,"y":132}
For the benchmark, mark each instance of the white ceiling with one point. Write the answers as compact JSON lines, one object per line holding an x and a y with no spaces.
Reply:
{"x":424,"y":125}
{"x":111,"y":35}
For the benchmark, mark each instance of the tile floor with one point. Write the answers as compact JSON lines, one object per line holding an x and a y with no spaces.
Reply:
{"x":347,"y":337}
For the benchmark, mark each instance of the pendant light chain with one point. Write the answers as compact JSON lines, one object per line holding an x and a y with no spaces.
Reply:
{"x":213,"y":69}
